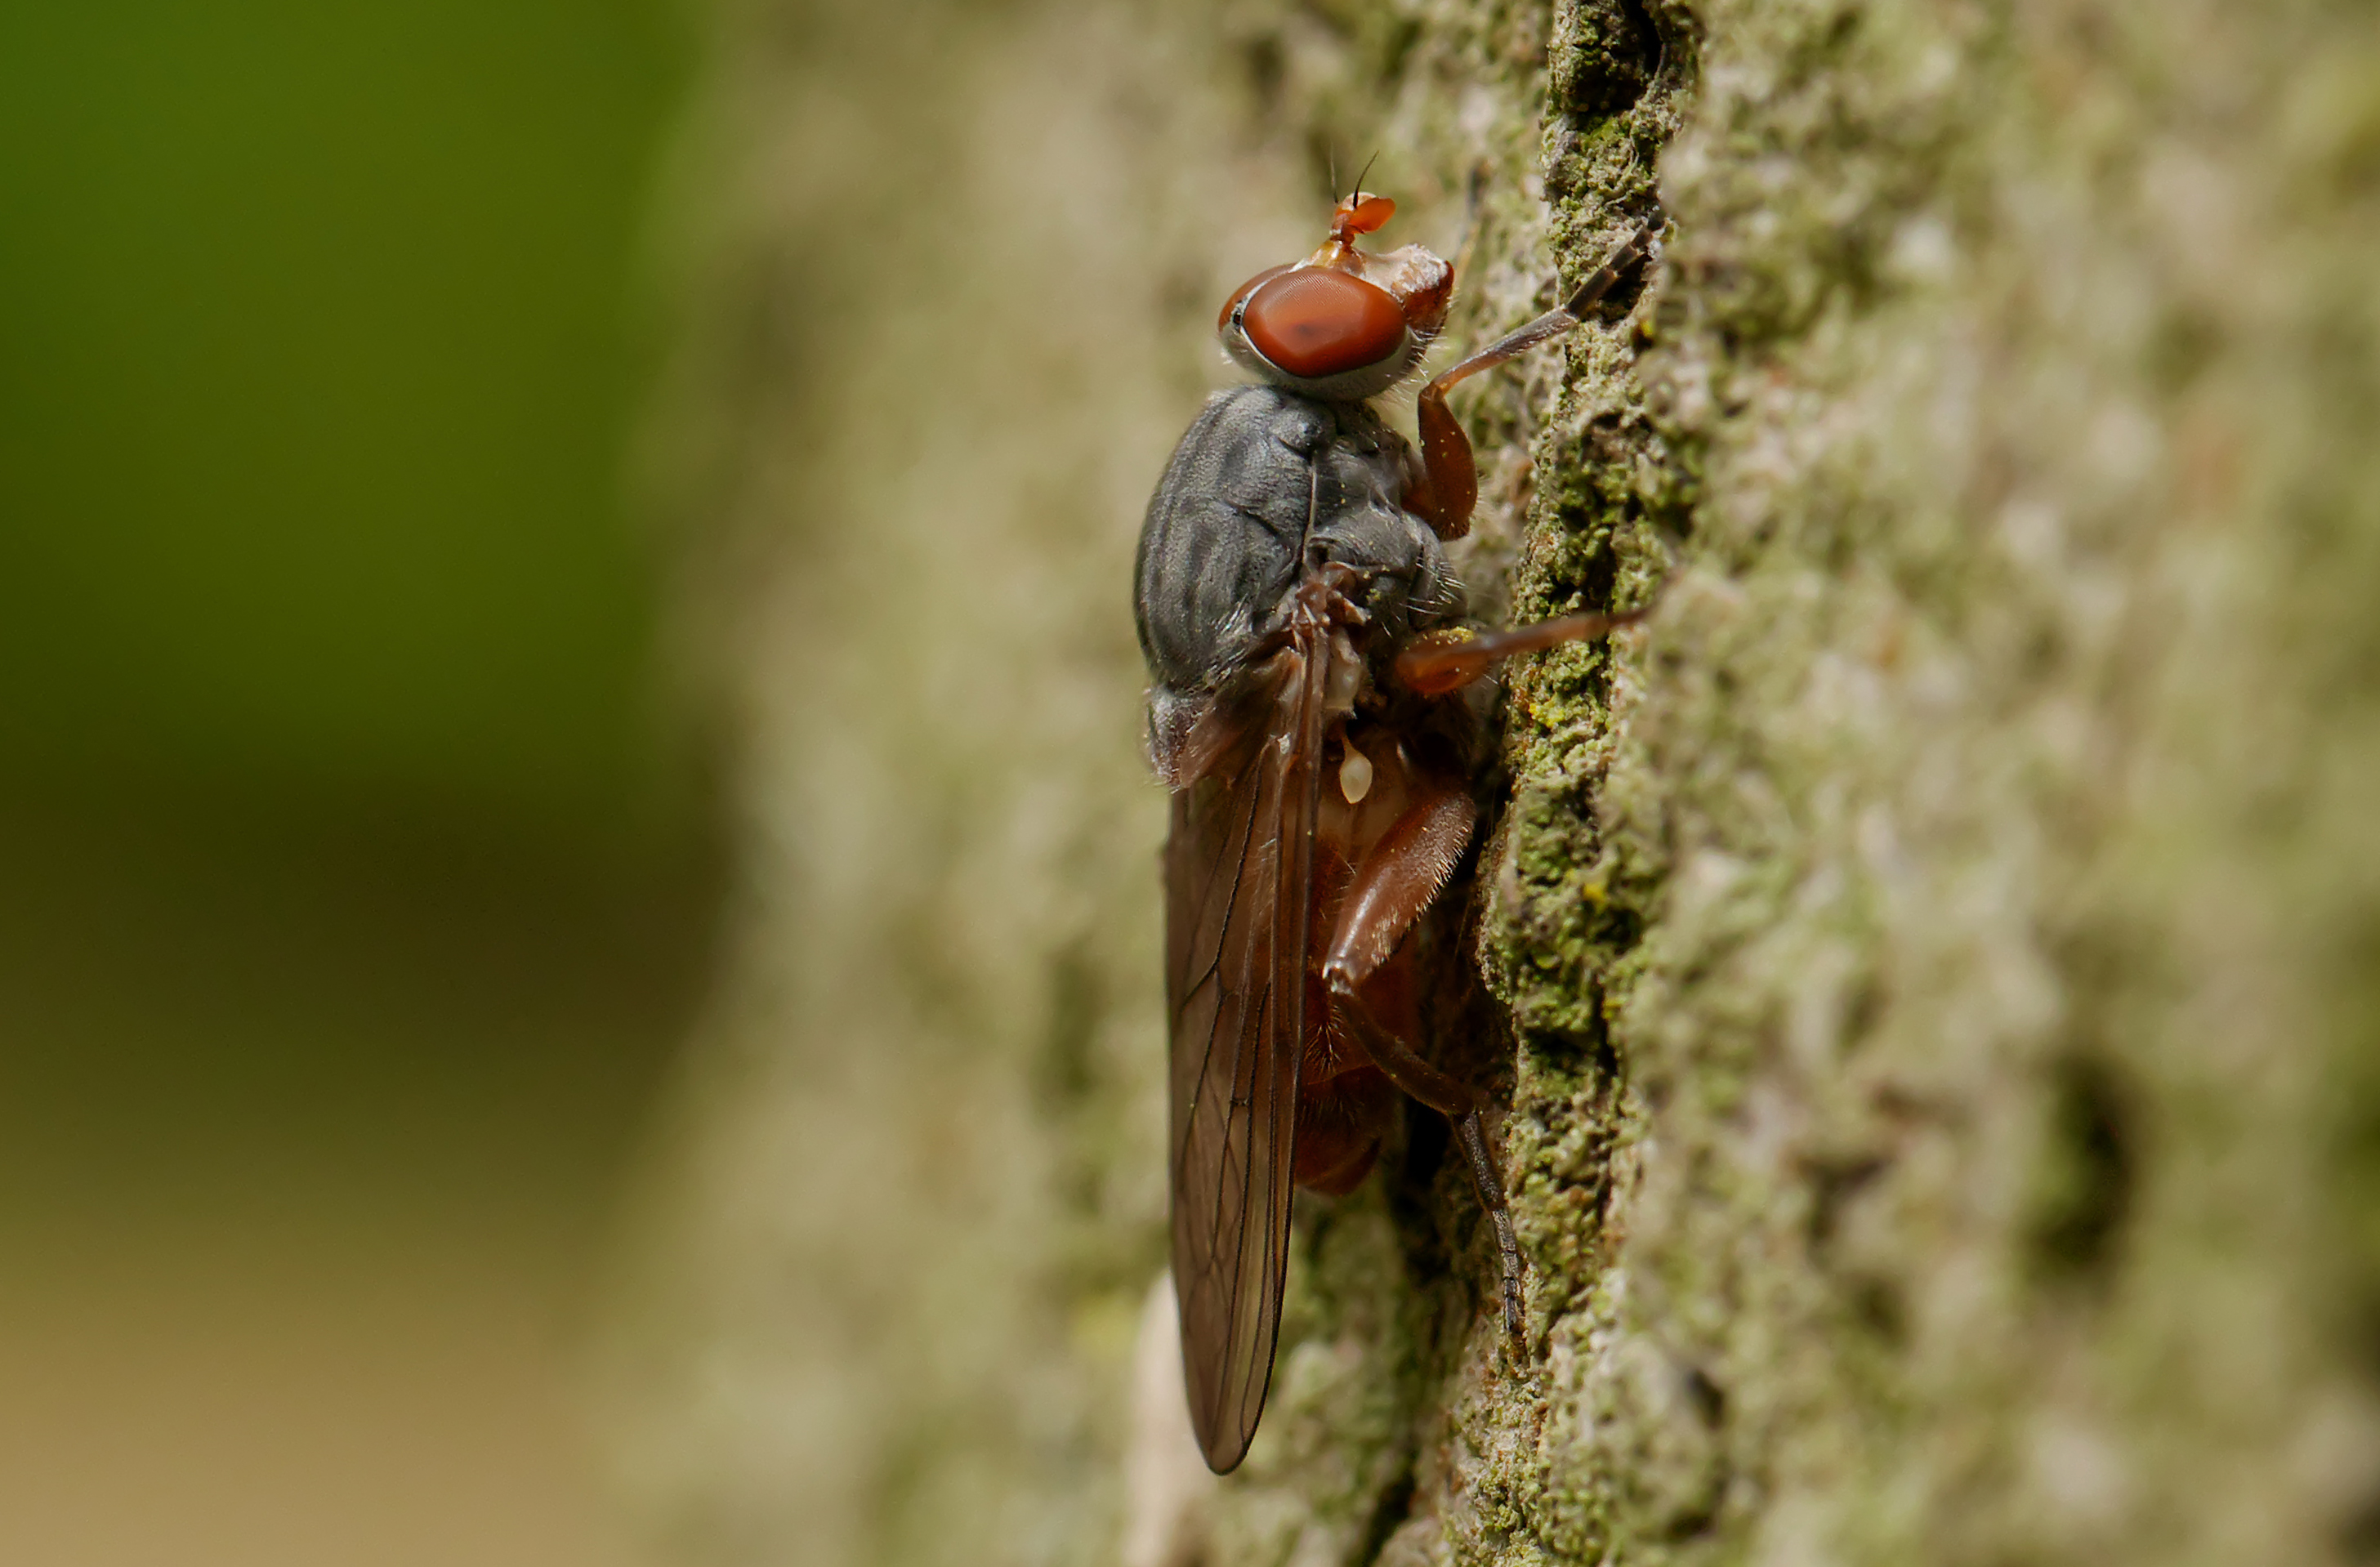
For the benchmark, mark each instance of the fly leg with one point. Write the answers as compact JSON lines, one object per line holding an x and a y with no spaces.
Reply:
{"x":1435,"y":664}
{"x":1448,"y":486}
{"x":1459,"y":1102}
{"x":1397,"y":879}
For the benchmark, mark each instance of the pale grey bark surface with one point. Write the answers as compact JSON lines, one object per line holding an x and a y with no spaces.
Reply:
{"x":1935,"y":957}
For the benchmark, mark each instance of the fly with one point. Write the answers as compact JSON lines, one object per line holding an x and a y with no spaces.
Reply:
{"x":1301,"y":626}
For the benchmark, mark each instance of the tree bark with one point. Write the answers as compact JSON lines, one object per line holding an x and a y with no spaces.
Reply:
{"x":1934,"y":963}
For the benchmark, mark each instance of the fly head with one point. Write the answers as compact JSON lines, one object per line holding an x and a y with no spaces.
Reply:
{"x":1344,"y":324}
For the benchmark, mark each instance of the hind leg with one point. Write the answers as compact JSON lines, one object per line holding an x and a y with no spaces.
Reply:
{"x":1397,"y":881}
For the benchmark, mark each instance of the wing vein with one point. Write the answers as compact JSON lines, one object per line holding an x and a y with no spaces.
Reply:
{"x":1239,"y":869}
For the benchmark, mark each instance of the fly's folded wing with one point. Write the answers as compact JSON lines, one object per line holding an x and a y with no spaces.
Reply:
{"x":1238,"y":880}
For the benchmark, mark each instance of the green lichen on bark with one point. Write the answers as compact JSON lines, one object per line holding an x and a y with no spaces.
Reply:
{"x":1922,"y":793}
{"x":1895,"y":1174}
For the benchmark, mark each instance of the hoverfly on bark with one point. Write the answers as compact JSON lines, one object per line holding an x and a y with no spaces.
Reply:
{"x":1302,"y":629}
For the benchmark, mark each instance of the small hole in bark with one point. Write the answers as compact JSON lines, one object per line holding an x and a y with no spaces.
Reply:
{"x":1428,"y":1137}
{"x":1396,"y":1500}
{"x":1833,"y":1183}
{"x":2085,"y":1181}
{"x":1607,"y":1055}
{"x":1876,"y":1306}
{"x":1709,"y":1399}
{"x":1622,"y":928}
{"x":1571,"y":1047}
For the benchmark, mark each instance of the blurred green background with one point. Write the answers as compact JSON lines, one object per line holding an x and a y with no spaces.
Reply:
{"x":354,"y":879}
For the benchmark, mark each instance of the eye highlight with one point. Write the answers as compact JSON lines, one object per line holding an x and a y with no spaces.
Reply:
{"x":1314,"y":322}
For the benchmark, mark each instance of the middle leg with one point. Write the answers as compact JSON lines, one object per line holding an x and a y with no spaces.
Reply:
{"x":1438,"y":663}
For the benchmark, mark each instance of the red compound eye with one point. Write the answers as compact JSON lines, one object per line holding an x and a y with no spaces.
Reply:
{"x":1315,"y":322}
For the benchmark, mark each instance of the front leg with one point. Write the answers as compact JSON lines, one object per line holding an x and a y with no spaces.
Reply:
{"x":1398,"y":879}
{"x":1448,"y":486}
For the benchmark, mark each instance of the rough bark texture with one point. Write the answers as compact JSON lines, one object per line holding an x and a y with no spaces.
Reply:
{"x":1938,"y":957}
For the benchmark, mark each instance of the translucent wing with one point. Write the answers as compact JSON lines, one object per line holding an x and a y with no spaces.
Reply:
{"x":1238,"y":882}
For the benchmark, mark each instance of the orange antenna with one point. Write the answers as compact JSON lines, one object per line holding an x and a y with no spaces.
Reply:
{"x":1358,"y":195}
{"x":1359,"y":214}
